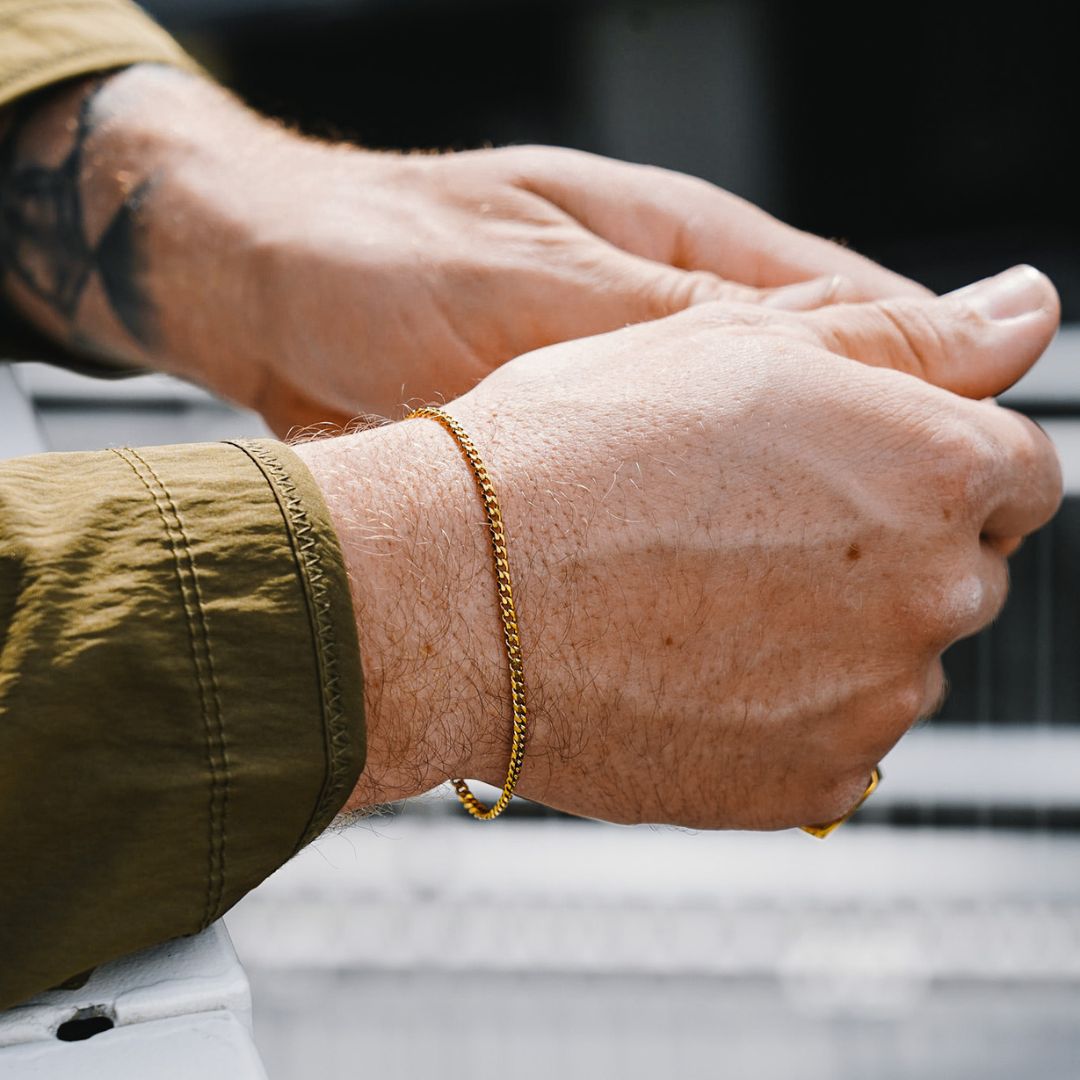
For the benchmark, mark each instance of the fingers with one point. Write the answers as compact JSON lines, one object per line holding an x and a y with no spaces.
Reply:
{"x":976,"y":342}
{"x":732,"y":237}
{"x":640,"y":290}
{"x":1025,"y":489}
{"x":688,"y":223}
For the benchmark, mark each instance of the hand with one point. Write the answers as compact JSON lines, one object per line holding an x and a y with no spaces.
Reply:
{"x":392,"y":278}
{"x":738,"y":555}
{"x":314,"y":281}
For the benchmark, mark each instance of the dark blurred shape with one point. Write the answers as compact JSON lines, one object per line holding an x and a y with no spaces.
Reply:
{"x":402,"y":75}
{"x":940,"y":139}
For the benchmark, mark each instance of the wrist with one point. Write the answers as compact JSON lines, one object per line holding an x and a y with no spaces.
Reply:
{"x":414,"y":539}
{"x":236,"y":267}
{"x":186,"y":144}
{"x":120,"y":239}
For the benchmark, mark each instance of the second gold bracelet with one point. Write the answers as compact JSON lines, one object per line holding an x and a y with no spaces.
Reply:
{"x":507,"y":613}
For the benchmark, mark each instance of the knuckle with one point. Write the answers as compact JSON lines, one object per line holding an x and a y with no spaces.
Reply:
{"x":961,"y":462}
{"x":831,"y":788}
{"x":903,"y":706}
{"x":993,"y":592}
{"x":894,"y":709}
{"x":1028,"y":454}
{"x":933,"y":625}
{"x":1020,"y":447}
{"x":959,"y":605}
{"x":692,"y":288}
{"x":1040,"y":461}
{"x":845,"y":333}
{"x":937,"y":688}
{"x":883,"y":334}
{"x":834,"y":797}
{"x":917,"y":612}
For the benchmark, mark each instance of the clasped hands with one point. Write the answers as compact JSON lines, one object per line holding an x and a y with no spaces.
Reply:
{"x":743,"y":533}
{"x":754,"y":484}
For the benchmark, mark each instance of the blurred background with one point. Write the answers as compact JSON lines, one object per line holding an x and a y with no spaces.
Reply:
{"x":938,"y":935}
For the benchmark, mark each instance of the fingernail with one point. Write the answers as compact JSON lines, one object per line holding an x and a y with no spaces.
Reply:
{"x":1019,"y":291}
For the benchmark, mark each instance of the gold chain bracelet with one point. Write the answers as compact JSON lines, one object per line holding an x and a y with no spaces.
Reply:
{"x":507,"y":612}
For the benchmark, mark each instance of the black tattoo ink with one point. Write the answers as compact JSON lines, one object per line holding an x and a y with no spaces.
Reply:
{"x":121,"y":266}
{"x":43,"y":239}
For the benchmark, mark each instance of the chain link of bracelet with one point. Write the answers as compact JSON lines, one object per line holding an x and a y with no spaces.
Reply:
{"x":507,"y":613}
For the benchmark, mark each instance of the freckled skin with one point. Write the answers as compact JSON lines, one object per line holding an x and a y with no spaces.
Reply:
{"x":650,"y":498}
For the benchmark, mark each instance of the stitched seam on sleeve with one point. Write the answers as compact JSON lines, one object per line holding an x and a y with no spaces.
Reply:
{"x":306,"y":551}
{"x":203,"y":661}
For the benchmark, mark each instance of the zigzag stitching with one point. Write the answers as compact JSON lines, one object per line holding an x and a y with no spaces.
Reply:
{"x":310,"y":560}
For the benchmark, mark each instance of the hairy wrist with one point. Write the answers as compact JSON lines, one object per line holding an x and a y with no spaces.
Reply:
{"x":414,"y":539}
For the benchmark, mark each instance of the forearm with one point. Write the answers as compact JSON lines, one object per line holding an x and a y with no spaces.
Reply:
{"x":125,"y":238}
{"x":154,"y":220}
{"x":119,"y":236}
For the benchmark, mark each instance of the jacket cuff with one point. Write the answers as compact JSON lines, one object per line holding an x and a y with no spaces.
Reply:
{"x":180,"y":694}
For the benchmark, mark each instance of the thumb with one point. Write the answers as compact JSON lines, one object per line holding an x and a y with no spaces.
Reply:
{"x":976,"y":341}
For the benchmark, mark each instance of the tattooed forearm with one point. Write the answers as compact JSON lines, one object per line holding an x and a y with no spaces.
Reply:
{"x":51,"y":247}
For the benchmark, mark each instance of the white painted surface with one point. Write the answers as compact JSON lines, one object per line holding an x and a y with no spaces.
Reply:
{"x":74,"y":412}
{"x":423,"y":893}
{"x":45,"y":383}
{"x":536,"y":1027}
{"x":584,"y":951}
{"x":1055,"y":378}
{"x":19,"y":433}
{"x":993,"y":766}
{"x":211,"y":1046}
{"x":183,"y":977}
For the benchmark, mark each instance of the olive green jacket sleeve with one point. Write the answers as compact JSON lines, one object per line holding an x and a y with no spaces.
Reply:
{"x":41,"y":43}
{"x":180,"y":694}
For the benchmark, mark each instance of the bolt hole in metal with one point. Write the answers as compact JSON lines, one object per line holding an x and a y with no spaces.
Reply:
{"x":85,"y":1024}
